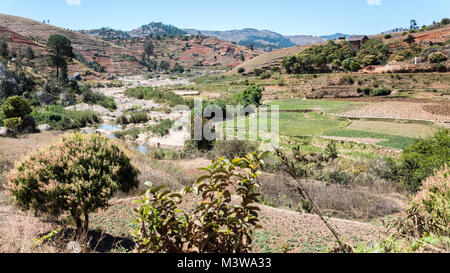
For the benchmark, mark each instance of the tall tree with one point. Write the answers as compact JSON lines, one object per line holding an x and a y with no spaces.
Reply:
{"x":148,"y":47}
{"x":60,"y":53}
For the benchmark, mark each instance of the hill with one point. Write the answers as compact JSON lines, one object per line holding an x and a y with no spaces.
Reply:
{"x":92,"y":49}
{"x":115,"y":51}
{"x":400,"y":58}
{"x":265,"y":39}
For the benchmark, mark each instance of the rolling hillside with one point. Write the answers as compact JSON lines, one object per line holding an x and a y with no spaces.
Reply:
{"x":121,"y":52}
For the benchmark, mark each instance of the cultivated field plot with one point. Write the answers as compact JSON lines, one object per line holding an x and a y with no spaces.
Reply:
{"x":312,"y":118}
{"x":399,"y":110}
{"x":329,"y":106}
{"x":413,"y":130}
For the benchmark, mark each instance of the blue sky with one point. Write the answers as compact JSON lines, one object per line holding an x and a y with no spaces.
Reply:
{"x":289,"y":17}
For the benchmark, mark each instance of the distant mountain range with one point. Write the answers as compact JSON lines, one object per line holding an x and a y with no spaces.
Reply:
{"x":264,"y":39}
{"x":260,"y":39}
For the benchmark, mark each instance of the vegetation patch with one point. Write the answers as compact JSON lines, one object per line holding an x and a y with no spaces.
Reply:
{"x":62,"y":119}
{"x":391,"y":141}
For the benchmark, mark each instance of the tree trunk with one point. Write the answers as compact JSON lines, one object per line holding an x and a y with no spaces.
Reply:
{"x":86,"y":222}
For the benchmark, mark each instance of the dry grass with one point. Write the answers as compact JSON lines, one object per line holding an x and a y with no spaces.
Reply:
{"x":348,"y":202}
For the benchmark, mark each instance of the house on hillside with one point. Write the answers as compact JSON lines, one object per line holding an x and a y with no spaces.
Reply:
{"x":357,"y":41}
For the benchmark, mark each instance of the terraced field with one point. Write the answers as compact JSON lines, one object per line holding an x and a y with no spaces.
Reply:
{"x":321,"y":118}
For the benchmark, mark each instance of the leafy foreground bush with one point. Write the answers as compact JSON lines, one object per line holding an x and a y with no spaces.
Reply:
{"x":215,"y":226}
{"x":426,"y":227}
{"x":78,"y":175}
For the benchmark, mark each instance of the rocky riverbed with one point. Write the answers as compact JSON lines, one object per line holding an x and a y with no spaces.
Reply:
{"x":177,"y":134}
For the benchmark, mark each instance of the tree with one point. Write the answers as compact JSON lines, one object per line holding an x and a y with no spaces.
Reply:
{"x":351,"y":65}
{"x":30,"y":53}
{"x":60,"y":53}
{"x":78,"y":174}
{"x":177,"y":68}
{"x":251,"y":96}
{"x":4,"y":52}
{"x":148,"y":47}
{"x":164,"y":66}
{"x":413,"y":25}
{"x":410,"y":40}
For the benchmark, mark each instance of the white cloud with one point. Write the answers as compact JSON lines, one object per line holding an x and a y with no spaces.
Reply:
{"x":374,"y":2}
{"x":73,"y":2}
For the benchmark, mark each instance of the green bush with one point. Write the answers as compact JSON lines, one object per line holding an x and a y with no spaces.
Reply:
{"x":430,"y":208}
{"x":441,"y":67}
{"x":61,"y":119}
{"x":421,"y":159}
{"x":437,"y":57}
{"x":316,"y":58}
{"x":351,"y":65}
{"x":369,"y":92}
{"x":13,"y":124}
{"x":78,"y":175}
{"x":158,"y":96}
{"x":252,"y":95}
{"x":215,"y":225}
{"x":162,"y":128}
{"x":177,"y":68}
{"x":373,"y":52}
{"x":91,"y":97}
{"x":14,"y":110}
{"x":16,"y":107}
{"x":387,"y":36}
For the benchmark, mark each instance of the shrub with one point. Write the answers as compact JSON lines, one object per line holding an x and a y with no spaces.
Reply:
{"x":382,"y":91}
{"x":257,"y":72}
{"x":351,"y":65}
{"x":13,"y":123}
{"x":369,"y":92}
{"x":62,"y":119}
{"x":99,"y":99}
{"x":441,"y":67}
{"x":437,"y":57}
{"x":215,"y":225}
{"x":252,"y":95}
{"x":139,"y":117}
{"x":16,"y":107}
{"x":241,"y":70}
{"x":318,"y":57}
{"x":161,"y":129}
{"x":177,"y":68}
{"x":233,"y":148}
{"x":158,"y":96}
{"x":331,"y":150}
{"x":421,"y":159}
{"x":373,"y":52}
{"x":430,"y":208}
{"x":387,"y":36}
{"x":78,"y":174}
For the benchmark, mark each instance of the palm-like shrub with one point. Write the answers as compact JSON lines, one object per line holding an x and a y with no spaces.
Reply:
{"x":78,"y":175}
{"x":215,"y":225}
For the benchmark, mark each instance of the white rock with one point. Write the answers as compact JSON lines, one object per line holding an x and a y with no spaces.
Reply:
{"x":44,"y":127}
